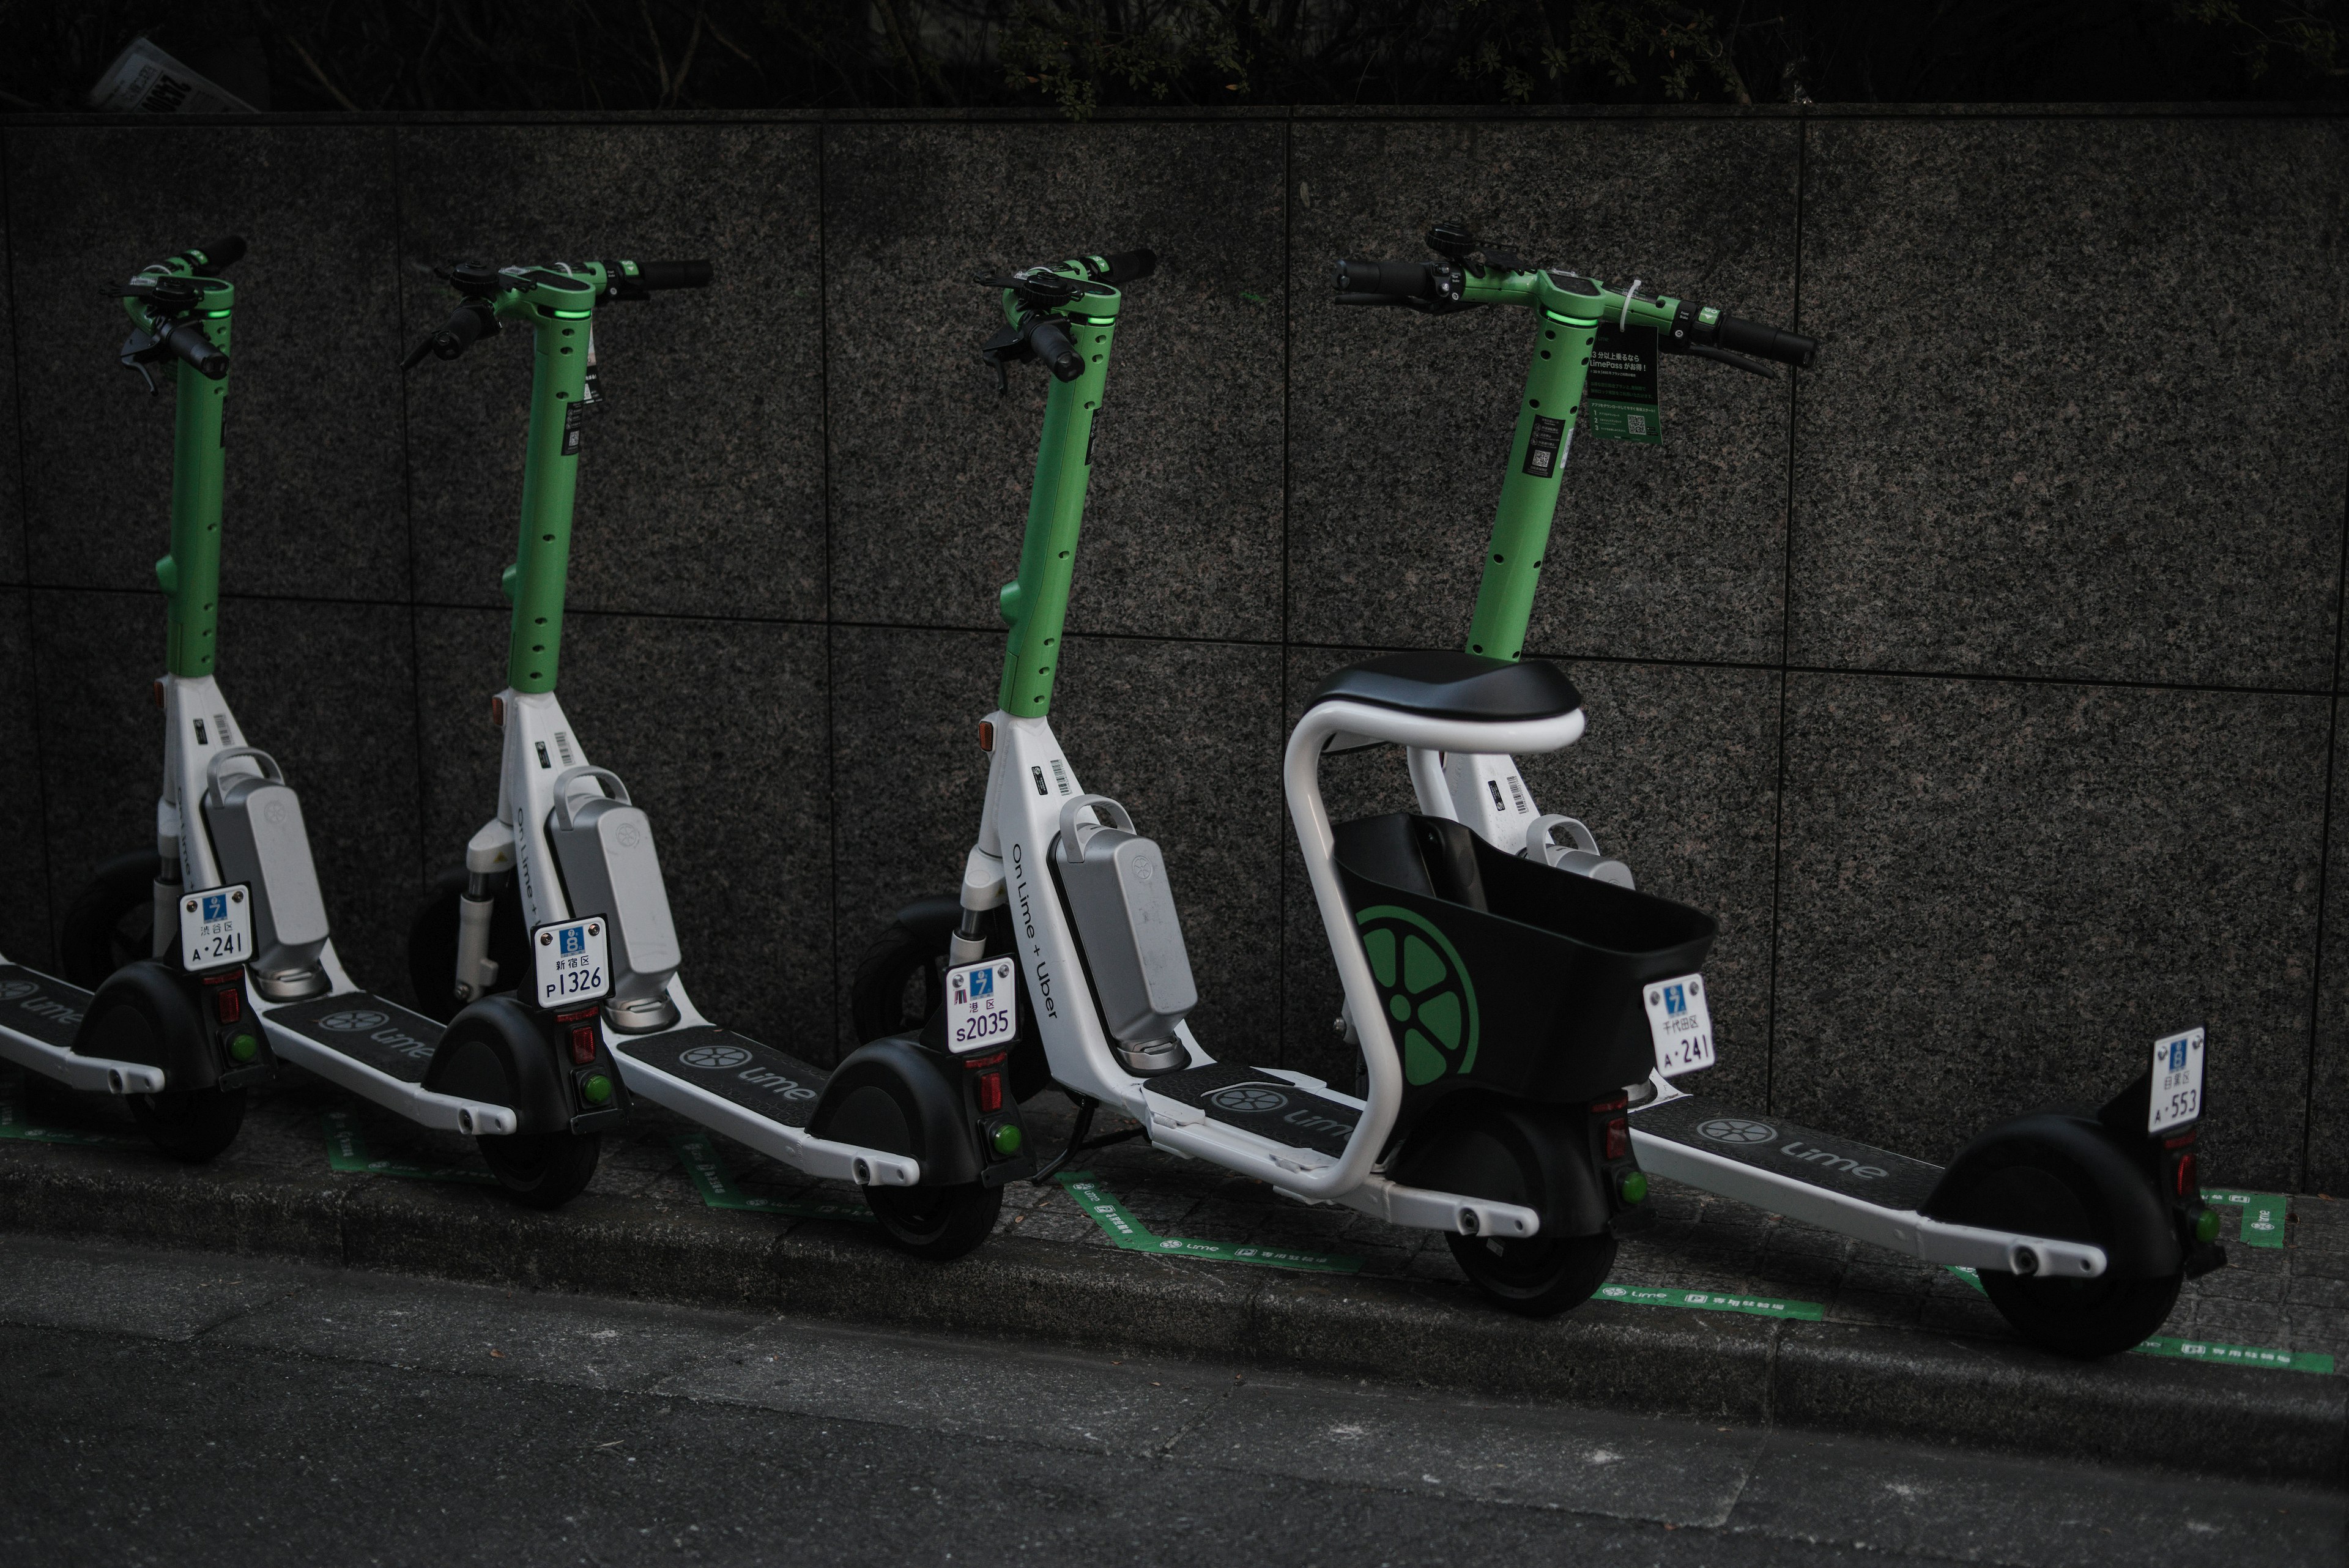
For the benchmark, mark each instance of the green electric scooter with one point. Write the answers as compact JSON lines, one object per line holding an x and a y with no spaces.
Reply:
{"x":157,"y":1001}
{"x":2082,"y":1224}
{"x":554,"y":948}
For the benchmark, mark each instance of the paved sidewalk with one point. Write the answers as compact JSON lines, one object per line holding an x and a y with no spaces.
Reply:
{"x":1773,"y":1284}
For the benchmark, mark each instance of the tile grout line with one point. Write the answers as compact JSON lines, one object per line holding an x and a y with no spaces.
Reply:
{"x":407,"y":505}
{"x":2304,"y":1180}
{"x":1282,"y":1045}
{"x":1786,"y":647}
{"x":25,"y":542}
{"x":831,"y":630}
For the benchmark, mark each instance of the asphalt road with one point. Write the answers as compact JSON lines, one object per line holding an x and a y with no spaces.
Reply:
{"x":191,"y":1409}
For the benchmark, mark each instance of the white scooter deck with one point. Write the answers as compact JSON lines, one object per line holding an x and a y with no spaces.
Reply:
{"x":40,"y":1018}
{"x":753,"y":1094}
{"x":378,"y":1050}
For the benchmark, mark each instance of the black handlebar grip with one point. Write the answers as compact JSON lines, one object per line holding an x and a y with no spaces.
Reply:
{"x":673,"y":274}
{"x":188,"y":341}
{"x":1394,"y":280}
{"x":1128,"y":266}
{"x":1766,"y":342}
{"x":1049,"y":340}
{"x":458,"y":333}
{"x":214,"y":254}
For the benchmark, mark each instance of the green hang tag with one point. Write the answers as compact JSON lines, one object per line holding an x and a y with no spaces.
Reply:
{"x":1622,"y":389}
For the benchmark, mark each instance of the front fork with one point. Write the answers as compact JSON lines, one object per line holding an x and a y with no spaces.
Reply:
{"x":477,"y":972}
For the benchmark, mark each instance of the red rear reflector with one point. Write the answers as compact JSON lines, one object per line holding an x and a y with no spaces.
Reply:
{"x":498,"y":711}
{"x":1619,"y":1140}
{"x":2189,"y":1182}
{"x":2181,"y":1140}
{"x":159,"y":694}
{"x":583,"y":1044}
{"x":1603,"y":1106}
{"x":990,"y":1091}
{"x":986,"y":736}
{"x":976,"y":1062}
{"x":229,"y":1002}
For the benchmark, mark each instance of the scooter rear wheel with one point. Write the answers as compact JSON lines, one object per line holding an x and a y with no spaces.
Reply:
{"x":937,"y":1222}
{"x":1538,"y":1278}
{"x":901,"y":981}
{"x":112,"y":921}
{"x":2082,"y":1318}
{"x":192,"y":1125}
{"x":543,"y":1170}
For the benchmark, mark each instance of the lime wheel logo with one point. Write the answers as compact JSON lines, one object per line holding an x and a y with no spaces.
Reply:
{"x":17,"y":989}
{"x":1431,"y":1002}
{"x":355,"y":1020}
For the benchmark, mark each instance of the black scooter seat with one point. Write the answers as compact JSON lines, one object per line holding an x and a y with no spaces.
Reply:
{"x":1456,"y":686}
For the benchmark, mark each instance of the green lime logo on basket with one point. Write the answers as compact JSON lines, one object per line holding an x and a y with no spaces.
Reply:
{"x":1431,"y":1002}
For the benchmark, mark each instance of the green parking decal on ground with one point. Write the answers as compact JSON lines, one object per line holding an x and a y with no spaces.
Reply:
{"x":14,"y":1125}
{"x":346,"y":1151}
{"x":700,"y":1157}
{"x":2236,"y":1354}
{"x":1971,"y":1276}
{"x":2263,"y":1215}
{"x":1709,"y":1301}
{"x":1131,"y":1234}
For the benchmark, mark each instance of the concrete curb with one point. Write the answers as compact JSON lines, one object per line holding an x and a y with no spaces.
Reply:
{"x":1908,"y":1384}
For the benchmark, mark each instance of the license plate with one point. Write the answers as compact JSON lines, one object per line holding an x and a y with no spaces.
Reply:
{"x":2176,"y":1080}
{"x":1682,"y":1024}
{"x":574,"y":962}
{"x":982,"y":1005}
{"x":216,"y":928}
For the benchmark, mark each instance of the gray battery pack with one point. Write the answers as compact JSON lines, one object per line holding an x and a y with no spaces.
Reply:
{"x":257,"y":832}
{"x":604,"y":847}
{"x":1124,"y":910}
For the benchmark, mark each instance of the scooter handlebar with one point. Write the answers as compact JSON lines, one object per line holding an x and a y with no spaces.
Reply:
{"x":1049,"y":337}
{"x":1128,"y":266}
{"x":1765,"y":342}
{"x":673,"y":274}
{"x":214,"y":255}
{"x":188,"y":341}
{"x":1361,"y":281}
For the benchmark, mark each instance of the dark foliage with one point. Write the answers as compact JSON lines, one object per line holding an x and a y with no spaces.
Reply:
{"x":1082,"y":54}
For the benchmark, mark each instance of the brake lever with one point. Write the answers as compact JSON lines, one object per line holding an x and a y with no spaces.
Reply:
{"x":999,"y":351}
{"x":1736,"y":361}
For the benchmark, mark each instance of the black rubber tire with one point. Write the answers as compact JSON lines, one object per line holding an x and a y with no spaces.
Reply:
{"x":901,"y":981}
{"x":432,"y":945}
{"x":1539,"y":1277}
{"x":543,"y":1170}
{"x":111,"y":921}
{"x":2080,"y":1318}
{"x":936,"y":1223}
{"x":193,"y":1124}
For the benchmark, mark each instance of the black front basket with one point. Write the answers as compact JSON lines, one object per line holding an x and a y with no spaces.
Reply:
{"x":1504,"y":973}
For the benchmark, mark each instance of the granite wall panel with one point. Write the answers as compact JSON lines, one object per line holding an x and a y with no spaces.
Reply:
{"x":1996,"y":895}
{"x":2070,"y":417}
{"x":700,"y":484}
{"x":930,"y":468}
{"x":12,"y":567}
{"x":2328,"y":1076}
{"x":1403,"y":422}
{"x":24,"y":915}
{"x":313,"y":504}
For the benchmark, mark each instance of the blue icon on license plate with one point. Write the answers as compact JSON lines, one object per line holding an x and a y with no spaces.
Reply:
{"x":574,"y":939}
{"x":216,"y":905}
{"x":982,"y":983}
{"x":1675,"y":1001}
{"x":2177,"y":1055}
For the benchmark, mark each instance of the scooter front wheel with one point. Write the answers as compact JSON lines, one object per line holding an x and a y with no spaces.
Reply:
{"x":543,"y":1170}
{"x":192,"y":1125}
{"x":112,"y":921}
{"x":1539,"y":1277}
{"x":937,"y":1222}
{"x":2082,"y":1318}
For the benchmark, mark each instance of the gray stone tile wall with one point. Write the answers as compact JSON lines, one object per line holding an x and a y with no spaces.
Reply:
{"x":1981,"y":681}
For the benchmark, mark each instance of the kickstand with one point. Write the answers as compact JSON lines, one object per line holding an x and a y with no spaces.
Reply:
{"x":1078,"y":1143}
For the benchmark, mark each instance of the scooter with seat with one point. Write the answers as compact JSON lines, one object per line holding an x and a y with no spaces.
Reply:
{"x":558,"y":932}
{"x":1499,"y":1000}
{"x":2082,"y":1224}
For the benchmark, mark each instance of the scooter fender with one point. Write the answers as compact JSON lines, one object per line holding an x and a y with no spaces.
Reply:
{"x":1513,"y":1136}
{"x":895,"y":1096}
{"x":495,"y":1052}
{"x":1988,"y":1185}
{"x":145,"y":1012}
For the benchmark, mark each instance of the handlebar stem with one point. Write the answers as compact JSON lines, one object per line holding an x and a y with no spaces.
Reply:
{"x":1037,"y":604}
{"x":558,"y":309}
{"x":188,"y":573}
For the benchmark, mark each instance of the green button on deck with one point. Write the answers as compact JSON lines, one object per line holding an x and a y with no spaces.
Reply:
{"x":2206,"y":1225}
{"x":597,"y":1088}
{"x":244,"y":1047}
{"x":1006,"y":1140}
{"x":1635,"y":1187}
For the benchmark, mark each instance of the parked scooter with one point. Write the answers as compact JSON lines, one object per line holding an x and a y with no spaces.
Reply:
{"x":556,"y":949}
{"x":155,"y":1005}
{"x":2081,"y":1223}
